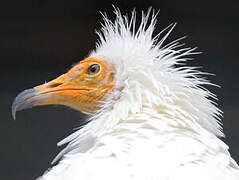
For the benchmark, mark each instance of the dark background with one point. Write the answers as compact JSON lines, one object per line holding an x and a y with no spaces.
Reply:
{"x":39,"y":40}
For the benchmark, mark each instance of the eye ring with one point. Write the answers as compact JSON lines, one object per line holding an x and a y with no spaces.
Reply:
{"x":93,"y":69}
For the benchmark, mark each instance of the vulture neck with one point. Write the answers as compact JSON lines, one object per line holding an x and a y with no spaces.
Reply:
{"x":145,"y":115}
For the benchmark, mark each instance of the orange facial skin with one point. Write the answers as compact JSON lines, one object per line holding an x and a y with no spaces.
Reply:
{"x":83,"y":87}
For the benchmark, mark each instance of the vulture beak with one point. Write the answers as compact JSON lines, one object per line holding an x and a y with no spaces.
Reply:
{"x":54,"y":92}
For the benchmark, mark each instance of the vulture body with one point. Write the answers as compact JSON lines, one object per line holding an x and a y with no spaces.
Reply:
{"x":150,"y":117}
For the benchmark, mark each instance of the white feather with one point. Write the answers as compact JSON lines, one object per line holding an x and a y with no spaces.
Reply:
{"x":159,"y":123}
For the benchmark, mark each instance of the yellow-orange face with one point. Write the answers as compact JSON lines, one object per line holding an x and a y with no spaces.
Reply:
{"x":83,"y":87}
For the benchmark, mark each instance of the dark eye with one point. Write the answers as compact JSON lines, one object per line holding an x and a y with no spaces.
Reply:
{"x":93,"y":69}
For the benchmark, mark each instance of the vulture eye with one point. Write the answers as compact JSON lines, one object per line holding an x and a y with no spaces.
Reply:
{"x":93,"y":69}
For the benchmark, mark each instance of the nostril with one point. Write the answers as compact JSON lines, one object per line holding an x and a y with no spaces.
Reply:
{"x":54,"y":85}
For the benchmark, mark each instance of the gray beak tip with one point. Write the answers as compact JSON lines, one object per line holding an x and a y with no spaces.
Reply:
{"x":23,"y":101}
{"x":13,"y":112}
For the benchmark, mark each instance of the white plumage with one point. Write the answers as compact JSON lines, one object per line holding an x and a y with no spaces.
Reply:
{"x":159,"y":123}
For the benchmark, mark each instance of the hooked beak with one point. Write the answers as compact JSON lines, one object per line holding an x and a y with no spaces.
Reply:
{"x":40,"y":95}
{"x":59,"y":91}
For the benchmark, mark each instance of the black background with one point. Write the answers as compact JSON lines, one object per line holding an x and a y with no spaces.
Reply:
{"x":39,"y":40}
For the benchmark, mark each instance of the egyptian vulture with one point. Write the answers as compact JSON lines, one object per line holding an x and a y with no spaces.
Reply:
{"x":150,"y":116}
